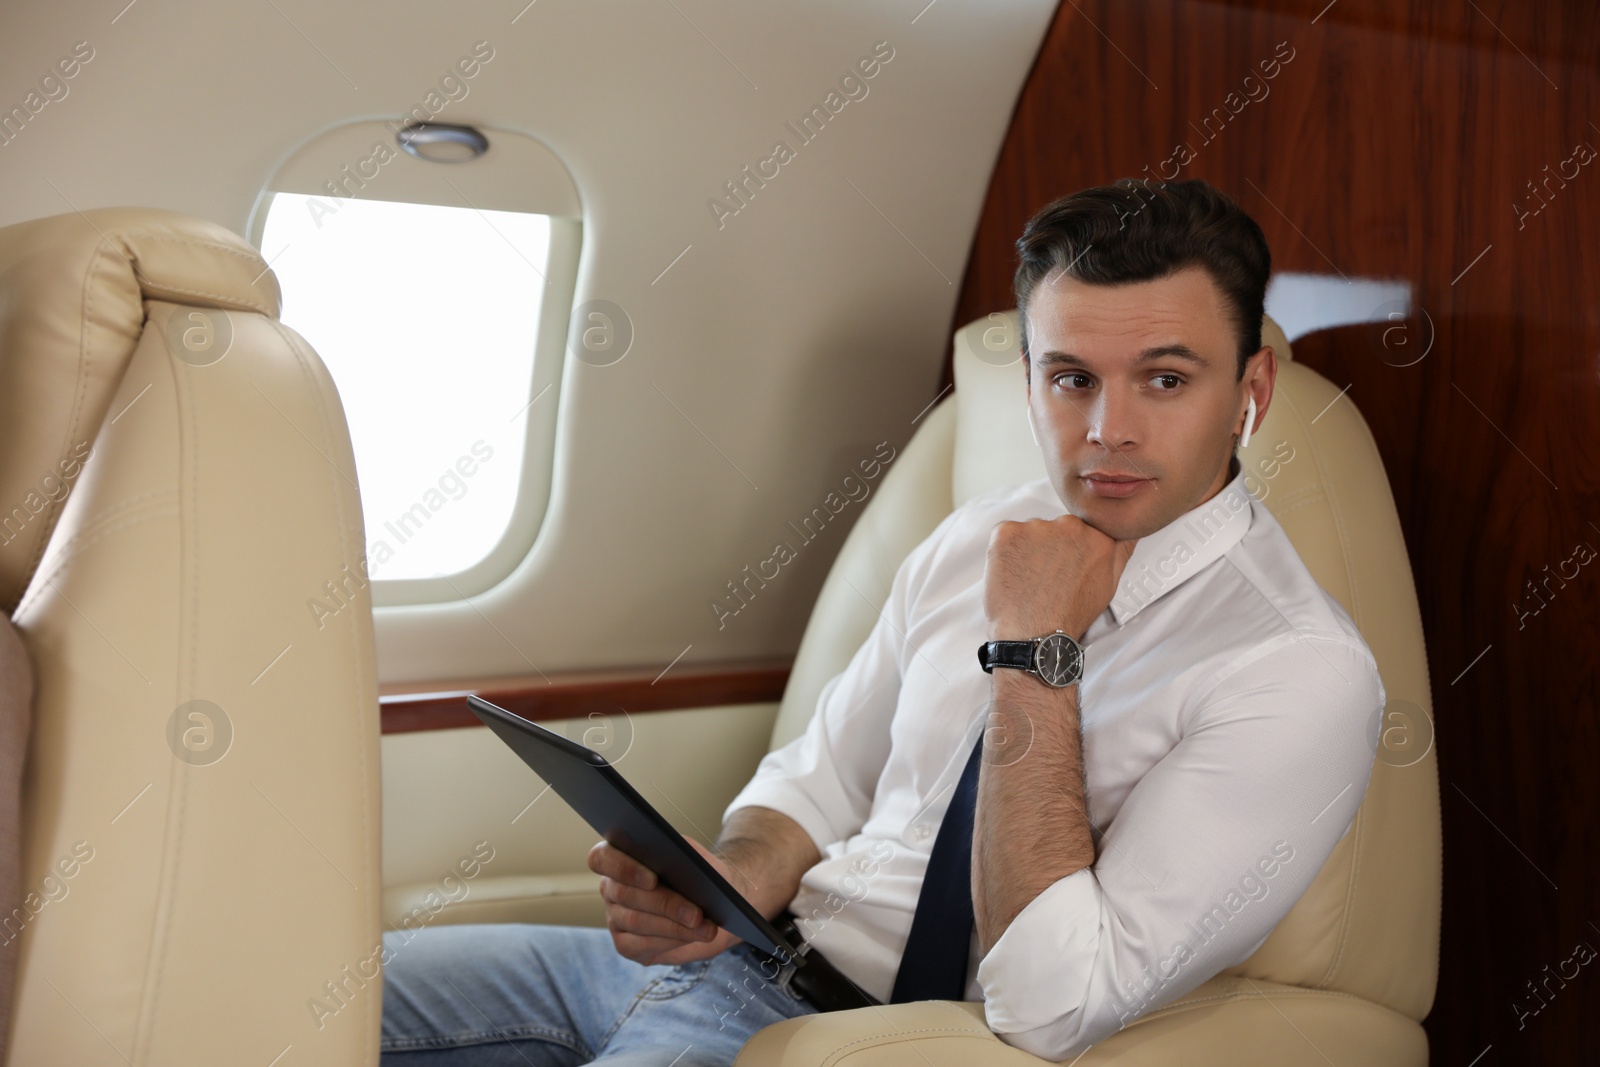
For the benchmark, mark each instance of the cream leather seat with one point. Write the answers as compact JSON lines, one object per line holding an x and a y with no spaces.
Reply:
{"x":212,"y":902}
{"x":1349,"y":973}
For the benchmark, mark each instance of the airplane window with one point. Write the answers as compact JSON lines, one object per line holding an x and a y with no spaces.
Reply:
{"x":427,"y":318}
{"x":1305,"y":303}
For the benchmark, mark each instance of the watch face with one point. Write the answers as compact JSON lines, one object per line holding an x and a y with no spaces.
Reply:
{"x":1058,"y":660}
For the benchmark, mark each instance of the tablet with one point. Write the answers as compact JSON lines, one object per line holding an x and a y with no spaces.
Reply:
{"x":595,"y":790}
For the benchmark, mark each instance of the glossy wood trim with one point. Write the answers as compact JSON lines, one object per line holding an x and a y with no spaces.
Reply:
{"x":1435,"y":143}
{"x":406,"y":707}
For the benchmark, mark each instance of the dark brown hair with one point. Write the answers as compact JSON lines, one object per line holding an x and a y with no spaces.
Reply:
{"x":1136,"y":230}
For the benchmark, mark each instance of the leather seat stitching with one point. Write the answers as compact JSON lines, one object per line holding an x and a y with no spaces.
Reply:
{"x":1292,"y":508}
{"x":1342,"y":934}
{"x":199,"y":241}
{"x":233,"y":298}
{"x":70,"y":551}
{"x":302,"y":354}
{"x":1277,"y":991}
{"x":943,"y":1031}
{"x":52,"y":513}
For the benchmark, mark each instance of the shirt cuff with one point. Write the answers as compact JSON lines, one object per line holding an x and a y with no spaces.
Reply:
{"x":783,"y":795}
{"x":1037,"y":975}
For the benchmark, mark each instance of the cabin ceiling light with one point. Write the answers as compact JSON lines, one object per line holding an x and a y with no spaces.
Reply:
{"x":440,"y":142}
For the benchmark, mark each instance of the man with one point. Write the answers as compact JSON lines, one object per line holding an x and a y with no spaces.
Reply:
{"x":1114,"y":837}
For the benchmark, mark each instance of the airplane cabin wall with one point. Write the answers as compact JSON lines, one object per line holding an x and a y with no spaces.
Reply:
{"x":774,"y":348}
{"x":1399,"y":141}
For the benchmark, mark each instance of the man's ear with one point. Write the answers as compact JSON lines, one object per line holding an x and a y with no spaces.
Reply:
{"x":1260,"y":375}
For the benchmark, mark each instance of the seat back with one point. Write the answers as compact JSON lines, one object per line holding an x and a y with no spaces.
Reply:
{"x":1374,"y":936}
{"x":200,"y":837}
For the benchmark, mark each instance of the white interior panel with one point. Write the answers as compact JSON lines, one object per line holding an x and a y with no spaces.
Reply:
{"x":446,"y":790}
{"x":772,"y":350}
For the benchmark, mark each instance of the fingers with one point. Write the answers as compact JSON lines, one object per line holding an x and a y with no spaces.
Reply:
{"x":653,"y":950}
{"x":637,"y":904}
{"x":614,"y":863}
{"x":659,"y":912}
{"x":626,"y":882}
{"x":625,"y":918}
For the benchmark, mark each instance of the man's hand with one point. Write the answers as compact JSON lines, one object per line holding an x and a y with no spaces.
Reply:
{"x":650,"y":923}
{"x":1047,"y":574}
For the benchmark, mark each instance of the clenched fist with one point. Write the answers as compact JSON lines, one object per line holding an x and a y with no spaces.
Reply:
{"x":1042,"y":575}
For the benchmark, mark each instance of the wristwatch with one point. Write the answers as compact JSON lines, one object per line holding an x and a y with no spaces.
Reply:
{"x":1055,"y":658}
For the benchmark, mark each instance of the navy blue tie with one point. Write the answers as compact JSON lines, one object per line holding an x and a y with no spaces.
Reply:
{"x":934,"y":964}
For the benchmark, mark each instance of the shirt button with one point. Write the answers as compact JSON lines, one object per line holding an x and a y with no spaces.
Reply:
{"x":922,"y":830}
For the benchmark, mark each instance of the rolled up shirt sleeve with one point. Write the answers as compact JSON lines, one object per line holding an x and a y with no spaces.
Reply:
{"x":1209,"y":851}
{"x":825,"y":779}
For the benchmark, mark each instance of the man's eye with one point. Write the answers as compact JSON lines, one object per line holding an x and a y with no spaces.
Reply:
{"x":1077,"y":380}
{"x":1172,"y":378}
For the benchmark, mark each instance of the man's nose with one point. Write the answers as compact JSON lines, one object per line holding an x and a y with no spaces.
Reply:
{"x":1111,"y":421}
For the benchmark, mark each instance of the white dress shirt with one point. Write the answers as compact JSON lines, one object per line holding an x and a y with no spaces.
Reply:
{"x":1230,"y":714}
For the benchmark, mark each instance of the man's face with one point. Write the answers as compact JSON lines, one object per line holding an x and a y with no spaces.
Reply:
{"x":1134,"y":398}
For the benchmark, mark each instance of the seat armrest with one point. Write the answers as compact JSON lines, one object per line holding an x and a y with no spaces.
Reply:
{"x":556,"y":899}
{"x":1223,"y":1023}
{"x":889,"y":1035}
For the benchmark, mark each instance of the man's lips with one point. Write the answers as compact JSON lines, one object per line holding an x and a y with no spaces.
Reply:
{"x":1115,"y":484}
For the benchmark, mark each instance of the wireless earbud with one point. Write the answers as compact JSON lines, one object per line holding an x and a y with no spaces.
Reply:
{"x":1249,"y":423}
{"x":1031,"y":431}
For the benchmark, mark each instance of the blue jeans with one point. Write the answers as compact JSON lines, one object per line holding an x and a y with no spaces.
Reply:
{"x":537,"y":995}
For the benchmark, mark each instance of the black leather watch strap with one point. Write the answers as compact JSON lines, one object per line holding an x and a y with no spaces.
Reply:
{"x":1018,"y":654}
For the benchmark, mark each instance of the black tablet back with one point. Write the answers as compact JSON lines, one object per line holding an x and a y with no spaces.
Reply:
{"x":596,"y":791}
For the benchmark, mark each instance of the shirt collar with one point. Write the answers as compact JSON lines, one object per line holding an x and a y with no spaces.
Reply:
{"x":1181,"y":549}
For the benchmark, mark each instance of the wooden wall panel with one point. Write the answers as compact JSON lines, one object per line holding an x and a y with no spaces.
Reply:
{"x":1405,"y":140}
{"x":407,"y":707}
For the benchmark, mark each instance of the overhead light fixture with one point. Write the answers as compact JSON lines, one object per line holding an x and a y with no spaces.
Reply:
{"x":440,"y":142}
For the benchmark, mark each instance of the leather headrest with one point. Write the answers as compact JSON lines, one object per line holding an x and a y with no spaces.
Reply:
{"x":72,"y":288}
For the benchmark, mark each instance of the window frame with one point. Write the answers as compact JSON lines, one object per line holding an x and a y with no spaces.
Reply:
{"x":563,"y":263}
